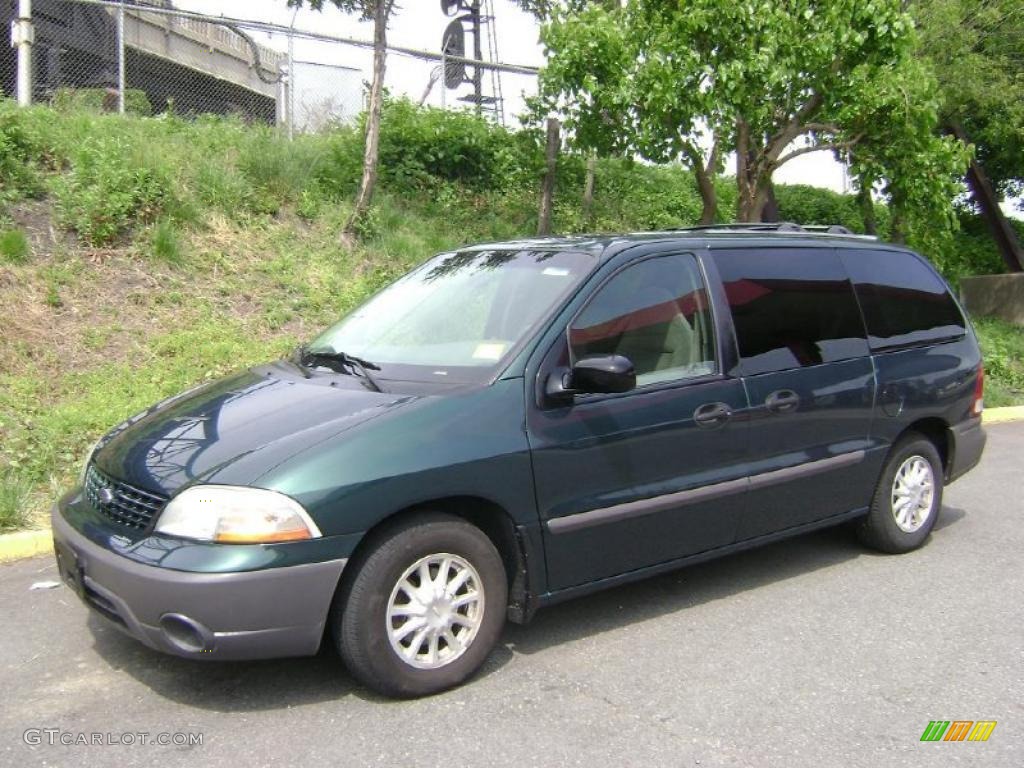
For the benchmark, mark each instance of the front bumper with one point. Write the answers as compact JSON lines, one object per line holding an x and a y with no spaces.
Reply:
{"x":254,"y":614}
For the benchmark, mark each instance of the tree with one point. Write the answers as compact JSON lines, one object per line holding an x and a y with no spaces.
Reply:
{"x":976,"y":49}
{"x":902,"y":155}
{"x":773,"y":81}
{"x":378,"y":11}
{"x":599,"y":77}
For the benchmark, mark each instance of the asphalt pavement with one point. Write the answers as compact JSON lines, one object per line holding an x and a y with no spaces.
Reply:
{"x":810,"y":652}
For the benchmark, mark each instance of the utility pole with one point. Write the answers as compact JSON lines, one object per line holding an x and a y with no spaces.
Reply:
{"x":120,"y":59}
{"x":291,"y":76}
{"x":283,"y":86}
{"x":22,"y":38}
{"x":478,"y":54}
{"x":444,"y":77}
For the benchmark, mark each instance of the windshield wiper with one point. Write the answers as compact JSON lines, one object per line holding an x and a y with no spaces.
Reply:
{"x":340,"y":362}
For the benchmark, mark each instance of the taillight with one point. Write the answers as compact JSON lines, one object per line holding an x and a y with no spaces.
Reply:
{"x":979,"y":393}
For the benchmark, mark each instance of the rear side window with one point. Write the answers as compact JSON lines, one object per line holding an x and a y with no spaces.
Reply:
{"x":792,"y":308}
{"x":904,"y":302}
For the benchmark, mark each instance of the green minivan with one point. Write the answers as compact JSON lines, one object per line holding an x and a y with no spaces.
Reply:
{"x":513,"y":424}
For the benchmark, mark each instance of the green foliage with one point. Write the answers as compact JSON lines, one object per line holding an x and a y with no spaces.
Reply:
{"x":656,"y":78}
{"x":803,"y":204}
{"x":417,"y":144}
{"x":14,"y":500}
{"x":19,"y":174}
{"x":14,"y":246}
{"x":111,"y":173}
{"x":111,"y":187}
{"x":919,"y":171}
{"x":100,"y":100}
{"x":974,"y":49}
{"x":1002,"y":345}
{"x":279,"y":170}
{"x":635,"y":196}
{"x":341,"y":163}
{"x":166,"y":244}
{"x":368,"y":225}
{"x":971,"y":251}
{"x":422,"y":146}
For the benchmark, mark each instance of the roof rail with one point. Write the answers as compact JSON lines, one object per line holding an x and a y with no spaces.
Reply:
{"x":773,"y":226}
{"x":828,"y":229}
{"x":754,"y":226}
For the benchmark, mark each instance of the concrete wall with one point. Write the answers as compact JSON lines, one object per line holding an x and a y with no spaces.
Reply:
{"x":995,"y":296}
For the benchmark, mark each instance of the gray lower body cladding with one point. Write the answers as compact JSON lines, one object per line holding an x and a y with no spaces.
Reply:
{"x":270,"y":613}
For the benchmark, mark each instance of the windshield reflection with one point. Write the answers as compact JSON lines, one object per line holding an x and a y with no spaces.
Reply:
{"x":459,"y":316}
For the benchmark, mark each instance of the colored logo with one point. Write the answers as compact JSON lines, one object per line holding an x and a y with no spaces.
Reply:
{"x":958,"y":730}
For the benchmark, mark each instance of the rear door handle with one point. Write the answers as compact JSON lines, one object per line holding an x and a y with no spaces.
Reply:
{"x":712,"y":415}
{"x":782,"y":401}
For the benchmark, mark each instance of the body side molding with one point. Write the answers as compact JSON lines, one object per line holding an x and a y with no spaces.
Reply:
{"x":654,"y":504}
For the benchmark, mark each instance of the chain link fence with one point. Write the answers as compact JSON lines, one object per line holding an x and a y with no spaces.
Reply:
{"x":148,"y":57}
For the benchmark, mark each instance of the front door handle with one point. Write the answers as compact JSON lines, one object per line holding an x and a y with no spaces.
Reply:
{"x":712,"y":415}
{"x":782,"y":401}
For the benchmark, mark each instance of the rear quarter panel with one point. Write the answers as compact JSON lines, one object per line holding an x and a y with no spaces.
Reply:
{"x":925,"y":382}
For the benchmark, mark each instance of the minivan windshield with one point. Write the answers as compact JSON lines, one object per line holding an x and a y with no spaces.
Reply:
{"x":459,"y":316}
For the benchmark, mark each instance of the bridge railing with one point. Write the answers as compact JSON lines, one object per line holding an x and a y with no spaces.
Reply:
{"x":150,"y":57}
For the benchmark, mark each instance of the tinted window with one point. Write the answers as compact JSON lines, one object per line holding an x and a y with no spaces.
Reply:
{"x":904,"y":302}
{"x":656,"y":313}
{"x":791,"y":308}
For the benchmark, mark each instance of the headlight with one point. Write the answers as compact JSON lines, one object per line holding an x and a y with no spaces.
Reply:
{"x":236,"y":515}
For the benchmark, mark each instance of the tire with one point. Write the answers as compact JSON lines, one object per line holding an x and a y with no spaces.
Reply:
{"x":385,"y":593}
{"x":894,"y":527}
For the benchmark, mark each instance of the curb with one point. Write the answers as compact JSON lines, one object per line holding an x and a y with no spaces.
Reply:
{"x":1001,"y":415}
{"x":17,"y":546}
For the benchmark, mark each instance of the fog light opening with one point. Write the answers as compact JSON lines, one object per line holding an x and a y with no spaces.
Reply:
{"x":186,"y":634}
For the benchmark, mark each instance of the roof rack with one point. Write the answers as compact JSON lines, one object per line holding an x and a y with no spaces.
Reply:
{"x":780,"y":226}
{"x":828,"y":229}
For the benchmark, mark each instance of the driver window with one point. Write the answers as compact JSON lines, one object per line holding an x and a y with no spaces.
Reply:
{"x":656,"y":313}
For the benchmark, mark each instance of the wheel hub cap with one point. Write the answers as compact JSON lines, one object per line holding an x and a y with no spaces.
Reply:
{"x":435,"y":611}
{"x":913,"y":493}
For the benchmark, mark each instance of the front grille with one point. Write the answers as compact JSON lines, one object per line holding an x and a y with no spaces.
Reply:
{"x":124,"y":504}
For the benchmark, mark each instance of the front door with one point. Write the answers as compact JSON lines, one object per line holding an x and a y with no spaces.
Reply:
{"x":640,"y":478}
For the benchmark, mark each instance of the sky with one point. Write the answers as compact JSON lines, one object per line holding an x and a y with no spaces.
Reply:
{"x":420,"y":24}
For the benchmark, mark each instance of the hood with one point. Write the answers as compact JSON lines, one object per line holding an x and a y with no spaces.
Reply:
{"x":236,"y":429}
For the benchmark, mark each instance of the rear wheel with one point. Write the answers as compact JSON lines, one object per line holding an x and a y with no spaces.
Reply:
{"x":424,"y":609}
{"x":907,"y":499}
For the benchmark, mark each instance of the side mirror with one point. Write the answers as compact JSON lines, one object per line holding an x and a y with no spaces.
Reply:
{"x":604,"y":374}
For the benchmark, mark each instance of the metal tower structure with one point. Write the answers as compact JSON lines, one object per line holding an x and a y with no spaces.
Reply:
{"x":493,"y":56}
{"x":476,"y":19}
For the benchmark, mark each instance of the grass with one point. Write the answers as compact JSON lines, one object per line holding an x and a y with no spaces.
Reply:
{"x":1002,"y":344}
{"x":165,"y":242}
{"x":14,"y":247}
{"x":15,"y":491}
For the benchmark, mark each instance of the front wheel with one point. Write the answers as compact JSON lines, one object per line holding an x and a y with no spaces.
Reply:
{"x":424,"y":609}
{"x":907,"y":499}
